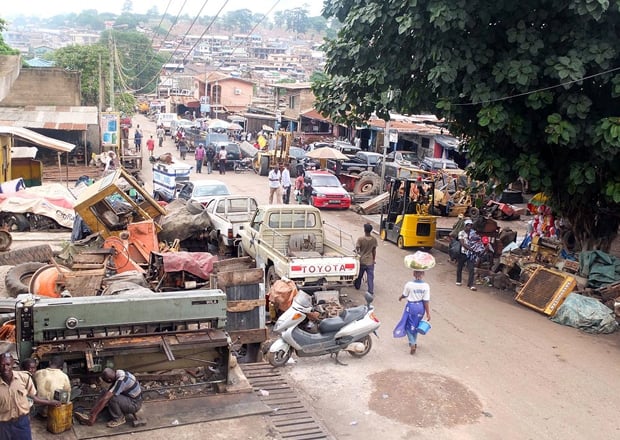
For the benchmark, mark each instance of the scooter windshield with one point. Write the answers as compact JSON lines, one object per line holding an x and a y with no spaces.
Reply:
{"x":303,"y":300}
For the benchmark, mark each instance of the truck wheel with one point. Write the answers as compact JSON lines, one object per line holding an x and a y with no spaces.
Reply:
{"x":366,"y":184}
{"x":3,"y":271}
{"x":16,"y":222}
{"x":367,"y":341}
{"x":279,"y":358}
{"x":383,"y":234}
{"x":264,"y":166}
{"x":271,"y":277}
{"x":400,"y":242}
{"x":18,"y":278}
{"x":42,"y":253}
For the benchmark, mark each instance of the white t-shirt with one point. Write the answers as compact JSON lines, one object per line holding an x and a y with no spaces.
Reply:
{"x":463,"y":235}
{"x":417,"y":291}
{"x":286,"y":178}
{"x":274,"y":178}
{"x":222,"y":154}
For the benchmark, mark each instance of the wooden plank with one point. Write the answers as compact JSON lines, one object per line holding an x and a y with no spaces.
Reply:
{"x":224,"y":264}
{"x":237,"y":278}
{"x":374,"y":204}
{"x":244,"y":305}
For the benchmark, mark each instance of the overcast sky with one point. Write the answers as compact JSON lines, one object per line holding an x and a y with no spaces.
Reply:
{"x":48,"y":8}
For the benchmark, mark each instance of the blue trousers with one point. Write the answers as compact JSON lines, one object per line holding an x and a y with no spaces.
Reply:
{"x":18,"y":429}
{"x":369,"y":269}
{"x":408,"y":324}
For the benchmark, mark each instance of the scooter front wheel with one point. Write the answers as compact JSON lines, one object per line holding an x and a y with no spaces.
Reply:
{"x":367,"y":341}
{"x":279,"y":357}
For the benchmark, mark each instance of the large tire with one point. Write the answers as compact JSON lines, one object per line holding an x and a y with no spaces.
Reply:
{"x":42,"y":253}
{"x":270,"y":277}
{"x":264,"y":166}
{"x":3,"y":271}
{"x":18,"y":278}
{"x":367,"y":341}
{"x":367,"y":183}
{"x":15,"y":222}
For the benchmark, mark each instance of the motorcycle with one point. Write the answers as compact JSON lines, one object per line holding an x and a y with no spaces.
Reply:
{"x":243,"y":165}
{"x":349,"y":331}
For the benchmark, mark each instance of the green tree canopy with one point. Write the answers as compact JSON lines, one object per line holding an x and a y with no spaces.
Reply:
{"x":5,"y":49}
{"x":530,"y":87}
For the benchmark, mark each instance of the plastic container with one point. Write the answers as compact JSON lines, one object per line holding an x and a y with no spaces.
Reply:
{"x":60,"y":419}
{"x":424,"y":327}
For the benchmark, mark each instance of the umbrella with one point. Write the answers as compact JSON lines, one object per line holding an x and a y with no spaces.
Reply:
{"x":267,"y":128}
{"x":326,"y":153}
{"x":217,"y":123}
{"x":234,"y":126}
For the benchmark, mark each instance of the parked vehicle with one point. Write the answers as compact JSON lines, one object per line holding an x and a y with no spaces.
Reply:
{"x":349,"y":331}
{"x":433,"y":165}
{"x":327,"y":191}
{"x":297,"y":156}
{"x":185,"y":124}
{"x":243,"y":165}
{"x":165,"y":120}
{"x":346,"y":148}
{"x":227,"y":214}
{"x":399,"y":164}
{"x":168,"y":178}
{"x":409,"y":220}
{"x":289,"y":241}
{"x":362,"y":161}
{"x":202,"y":191}
{"x":264,"y":159}
{"x":38,"y":208}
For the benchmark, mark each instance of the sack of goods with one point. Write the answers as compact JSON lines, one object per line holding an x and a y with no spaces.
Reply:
{"x":420,"y":261}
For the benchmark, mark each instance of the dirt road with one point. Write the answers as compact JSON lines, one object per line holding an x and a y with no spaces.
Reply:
{"x":488,"y":369}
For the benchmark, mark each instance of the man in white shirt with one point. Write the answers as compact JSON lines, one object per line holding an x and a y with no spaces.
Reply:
{"x":274,"y":184}
{"x":286,"y":183}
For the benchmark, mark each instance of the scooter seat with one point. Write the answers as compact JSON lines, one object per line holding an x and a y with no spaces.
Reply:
{"x":346,"y":316}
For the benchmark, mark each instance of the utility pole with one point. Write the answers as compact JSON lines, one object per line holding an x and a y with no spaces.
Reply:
{"x":386,"y":145}
{"x":111,"y":71}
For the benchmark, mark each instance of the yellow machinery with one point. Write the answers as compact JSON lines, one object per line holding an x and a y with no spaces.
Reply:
{"x":266,"y":158}
{"x":114,"y":201}
{"x":408,"y":219}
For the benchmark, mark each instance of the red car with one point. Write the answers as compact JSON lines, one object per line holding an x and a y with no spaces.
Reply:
{"x":327,"y":191}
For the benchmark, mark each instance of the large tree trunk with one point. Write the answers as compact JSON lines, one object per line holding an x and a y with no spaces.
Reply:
{"x":593,"y":231}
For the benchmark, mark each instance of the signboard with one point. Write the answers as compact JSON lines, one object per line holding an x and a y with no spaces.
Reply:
{"x":110,"y":130}
{"x":393,"y":136}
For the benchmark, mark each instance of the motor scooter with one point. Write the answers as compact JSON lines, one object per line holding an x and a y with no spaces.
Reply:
{"x":349,"y":331}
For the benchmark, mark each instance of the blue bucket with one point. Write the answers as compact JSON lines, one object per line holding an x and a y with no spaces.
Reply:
{"x":424,"y":327}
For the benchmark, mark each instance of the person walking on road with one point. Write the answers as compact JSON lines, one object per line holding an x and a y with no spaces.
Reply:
{"x":299,"y":185}
{"x":150,"y":145}
{"x":465,"y":258}
{"x":221,"y":155}
{"x":286,"y":183}
{"x":182,"y":148}
{"x":274,"y":185}
{"x":161,"y":134}
{"x":137,"y":139}
{"x":210,"y":154}
{"x":199,"y":155}
{"x":366,"y":247}
{"x":418,"y":295}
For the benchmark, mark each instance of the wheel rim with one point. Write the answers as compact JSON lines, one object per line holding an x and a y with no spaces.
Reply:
{"x":401,"y":242}
{"x":367,"y":341}
{"x":383,"y":234}
{"x":272,"y":277}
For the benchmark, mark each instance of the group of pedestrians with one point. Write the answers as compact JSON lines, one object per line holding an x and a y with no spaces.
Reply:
{"x":280,"y":184}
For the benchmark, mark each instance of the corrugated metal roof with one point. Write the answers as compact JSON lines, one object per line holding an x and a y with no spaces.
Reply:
{"x":38,"y":139}
{"x":53,"y":117}
{"x":313,"y":114}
